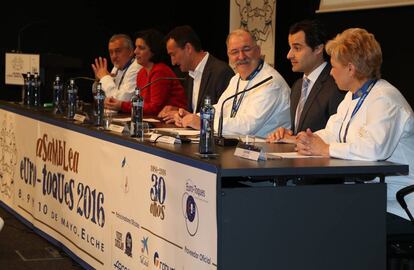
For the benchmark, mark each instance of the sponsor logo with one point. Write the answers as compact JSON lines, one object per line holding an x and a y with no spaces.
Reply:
{"x":159,"y":264}
{"x":119,"y":266}
{"x":144,"y":242}
{"x":118,"y":240}
{"x":128,"y":244}
{"x":192,"y":194}
{"x":158,"y":193}
{"x":143,"y":258}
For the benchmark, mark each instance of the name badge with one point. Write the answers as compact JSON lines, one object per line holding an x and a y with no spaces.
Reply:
{"x":156,"y":137}
{"x":79,"y":118}
{"x":249,"y":151}
{"x":116,"y":128}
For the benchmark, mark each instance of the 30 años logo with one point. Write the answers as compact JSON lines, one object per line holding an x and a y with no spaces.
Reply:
{"x":158,"y":193}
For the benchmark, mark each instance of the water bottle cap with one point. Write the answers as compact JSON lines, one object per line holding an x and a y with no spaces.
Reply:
{"x":207,"y":100}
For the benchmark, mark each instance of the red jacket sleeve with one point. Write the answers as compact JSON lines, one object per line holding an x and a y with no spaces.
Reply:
{"x":156,"y":95}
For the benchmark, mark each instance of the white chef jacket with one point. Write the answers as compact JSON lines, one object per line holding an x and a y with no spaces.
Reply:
{"x":382,"y":129}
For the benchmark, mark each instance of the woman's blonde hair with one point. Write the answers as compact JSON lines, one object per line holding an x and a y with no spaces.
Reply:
{"x":359,"y":47}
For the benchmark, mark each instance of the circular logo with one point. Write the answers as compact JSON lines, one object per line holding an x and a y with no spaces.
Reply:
{"x":191,"y":208}
{"x":191,"y":213}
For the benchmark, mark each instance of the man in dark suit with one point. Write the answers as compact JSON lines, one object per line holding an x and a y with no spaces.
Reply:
{"x":314,"y":97}
{"x":207,"y":75}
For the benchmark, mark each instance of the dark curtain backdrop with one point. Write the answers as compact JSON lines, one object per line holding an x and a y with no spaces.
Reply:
{"x":79,"y":30}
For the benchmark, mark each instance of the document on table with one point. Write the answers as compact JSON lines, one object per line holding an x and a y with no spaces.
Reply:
{"x":289,"y":155}
{"x":151,"y":120}
{"x":121,"y":119}
{"x":128,"y":118}
{"x":180,"y":131}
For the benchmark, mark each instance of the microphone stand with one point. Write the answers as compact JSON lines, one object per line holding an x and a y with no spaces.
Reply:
{"x":162,"y":78}
{"x":220,"y":140}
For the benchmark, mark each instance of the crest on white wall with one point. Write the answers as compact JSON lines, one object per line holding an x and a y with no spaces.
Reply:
{"x":258,"y":17}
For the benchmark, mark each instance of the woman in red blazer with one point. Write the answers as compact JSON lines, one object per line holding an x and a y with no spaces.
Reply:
{"x":149,"y":53}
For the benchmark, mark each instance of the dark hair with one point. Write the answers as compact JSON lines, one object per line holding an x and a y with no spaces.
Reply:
{"x":315,"y":33}
{"x":155,"y":41}
{"x":185,"y":34}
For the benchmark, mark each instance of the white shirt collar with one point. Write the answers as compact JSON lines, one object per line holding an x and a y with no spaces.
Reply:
{"x":313,"y":76}
{"x":200,"y":67}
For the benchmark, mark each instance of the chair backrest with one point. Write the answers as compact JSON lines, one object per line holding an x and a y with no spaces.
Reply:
{"x":400,"y":198}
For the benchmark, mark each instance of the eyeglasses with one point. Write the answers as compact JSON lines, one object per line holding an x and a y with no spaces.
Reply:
{"x":245,"y":49}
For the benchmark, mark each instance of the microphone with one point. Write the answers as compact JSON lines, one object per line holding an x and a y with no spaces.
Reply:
{"x":220,"y":140}
{"x":400,"y":198}
{"x":162,"y":78}
{"x":80,"y":78}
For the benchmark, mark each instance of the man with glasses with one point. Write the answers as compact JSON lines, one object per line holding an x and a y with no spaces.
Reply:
{"x":255,"y":112}
{"x":120,"y":83}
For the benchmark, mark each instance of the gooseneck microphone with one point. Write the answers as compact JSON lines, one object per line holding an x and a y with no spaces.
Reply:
{"x":162,"y":78}
{"x":400,"y":198}
{"x":220,"y":140}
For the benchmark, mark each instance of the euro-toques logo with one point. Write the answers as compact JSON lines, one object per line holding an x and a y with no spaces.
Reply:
{"x":192,"y":194}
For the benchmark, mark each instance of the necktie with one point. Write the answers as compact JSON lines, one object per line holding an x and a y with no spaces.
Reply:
{"x":302,"y":100}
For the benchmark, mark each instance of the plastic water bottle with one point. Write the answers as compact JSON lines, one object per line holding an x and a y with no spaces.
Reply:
{"x":99,"y":99}
{"x":207,"y":112}
{"x":137,"y":114}
{"x":58,"y":95}
{"x":28,"y":90}
{"x":36,"y":89}
{"x":72,"y":96}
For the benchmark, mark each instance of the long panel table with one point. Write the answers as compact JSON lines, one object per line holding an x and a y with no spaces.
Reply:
{"x":112,"y":202}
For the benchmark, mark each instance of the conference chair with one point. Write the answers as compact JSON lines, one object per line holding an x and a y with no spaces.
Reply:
{"x":400,"y":242}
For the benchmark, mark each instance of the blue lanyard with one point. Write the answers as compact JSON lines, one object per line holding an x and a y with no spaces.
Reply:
{"x":362,"y":93}
{"x":237,"y":102}
{"x":125,"y":70}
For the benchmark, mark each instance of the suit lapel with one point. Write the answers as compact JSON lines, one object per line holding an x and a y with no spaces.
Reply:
{"x":189,"y":87}
{"x":316,"y":88}
{"x":204,"y":82}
